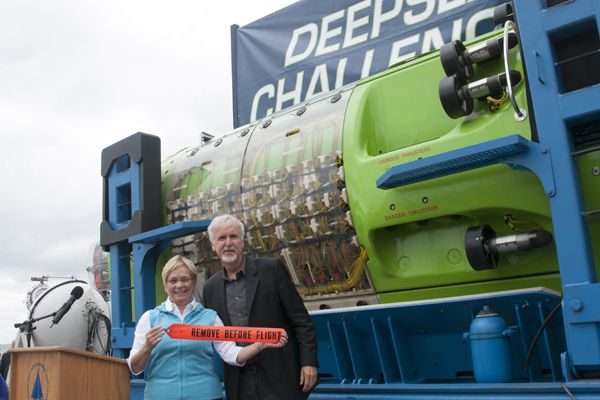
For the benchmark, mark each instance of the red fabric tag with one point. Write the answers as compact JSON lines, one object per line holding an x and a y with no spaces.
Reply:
{"x":224,"y":333}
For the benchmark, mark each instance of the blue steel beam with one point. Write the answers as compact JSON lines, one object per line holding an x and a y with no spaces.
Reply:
{"x":123,"y":182}
{"x":131,"y":172}
{"x":457,"y":391}
{"x":170,"y":232}
{"x":551,"y":160}
{"x":554,"y":112}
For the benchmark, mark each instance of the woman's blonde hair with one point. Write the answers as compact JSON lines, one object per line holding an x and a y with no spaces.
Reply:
{"x":177,"y":262}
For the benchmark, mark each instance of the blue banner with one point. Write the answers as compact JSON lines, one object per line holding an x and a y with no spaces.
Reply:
{"x":315,"y":46}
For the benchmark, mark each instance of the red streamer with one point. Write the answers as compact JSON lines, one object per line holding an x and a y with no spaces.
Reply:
{"x":224,"y":333}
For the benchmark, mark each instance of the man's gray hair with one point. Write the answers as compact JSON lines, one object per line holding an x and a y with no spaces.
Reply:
{"x":223,"y":221}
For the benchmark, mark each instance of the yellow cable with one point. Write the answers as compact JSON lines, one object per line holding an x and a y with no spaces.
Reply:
{"x":495,"y":104}
{"x":356,"y":272}
{"x":519,"y":225}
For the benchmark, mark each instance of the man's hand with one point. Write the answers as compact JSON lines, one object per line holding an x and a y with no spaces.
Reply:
{"x":282,"y":342}
{"x":308,"y":378}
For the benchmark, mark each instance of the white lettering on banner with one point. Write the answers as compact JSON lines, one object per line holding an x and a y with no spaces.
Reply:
{"x":319,"y":77}
{"x":475,"y":19}
{"x":269,"y":91}
{"x":380,"y":17}
{"x":366,"y":68}
{"x":432,"y":40}
{"x":325,"y":39}
{"x":322,"y":41}
{"x":311,"y":29}
{"x":327,"y":34}
{"x":447,"y":5}
{"x":329,"y":37}
{"x":295,"y":95}
{"x":395,"y":56}
{"x":352,"y":24}
{"x":456,"y":29}
{"x":339,"y":74}
{"x":410,"y":18}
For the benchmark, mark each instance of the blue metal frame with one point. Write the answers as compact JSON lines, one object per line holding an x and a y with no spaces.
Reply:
{"x":424,"y":342}
{"x":554,"y":112}
{"x":131,"y":172}
{"x":551,"y":160}
{"x":123,"y":191}
{"x":466,"y":391}
{"x":408,"y":351}
{"x":123,"y":180}
{"x":124,"y":201}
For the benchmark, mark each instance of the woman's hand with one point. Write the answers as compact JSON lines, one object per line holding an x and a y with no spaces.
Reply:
{"x":139,"y":361}
{"x":153,"y":337}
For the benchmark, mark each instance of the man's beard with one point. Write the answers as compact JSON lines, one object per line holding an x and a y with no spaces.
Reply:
{"x":229,"y":258}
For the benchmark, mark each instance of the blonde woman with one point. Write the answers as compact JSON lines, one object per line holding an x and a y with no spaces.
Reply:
{"x":183,"y":369}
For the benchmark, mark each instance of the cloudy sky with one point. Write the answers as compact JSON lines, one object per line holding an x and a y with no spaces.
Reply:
{"x":77,"y":76}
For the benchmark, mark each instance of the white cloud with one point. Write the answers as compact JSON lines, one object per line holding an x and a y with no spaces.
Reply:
{"x":77,"y":76}
{"x":14,"y":310}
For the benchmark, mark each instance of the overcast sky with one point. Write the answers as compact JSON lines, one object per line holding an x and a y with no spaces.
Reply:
{"x":77,"y":76}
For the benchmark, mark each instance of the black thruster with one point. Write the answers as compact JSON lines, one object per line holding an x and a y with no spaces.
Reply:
{"x":478,"y":254}
{"x":452,"y":56}
{"x":449,"y":90}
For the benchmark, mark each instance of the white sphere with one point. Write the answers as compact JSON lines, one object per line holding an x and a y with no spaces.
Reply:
{"x":74,"y":328}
